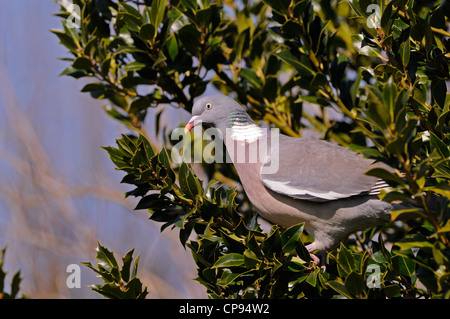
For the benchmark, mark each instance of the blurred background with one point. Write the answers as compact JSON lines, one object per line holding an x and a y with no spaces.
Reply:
{"x":59,"y":193}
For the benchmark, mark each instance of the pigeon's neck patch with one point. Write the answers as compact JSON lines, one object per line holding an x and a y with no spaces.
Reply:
{"x":242,"y":128}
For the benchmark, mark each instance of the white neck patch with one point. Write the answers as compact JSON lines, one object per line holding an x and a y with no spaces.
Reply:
{"x":248,"y":132}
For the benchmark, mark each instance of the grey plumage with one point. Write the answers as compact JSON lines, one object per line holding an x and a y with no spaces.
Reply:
{"x":319,"y":171}
{"x":317,"y":182}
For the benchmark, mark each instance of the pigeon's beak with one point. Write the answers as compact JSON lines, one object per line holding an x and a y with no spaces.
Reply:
{"x":191,"y":124}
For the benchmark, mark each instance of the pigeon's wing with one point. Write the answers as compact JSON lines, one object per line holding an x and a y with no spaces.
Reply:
{"x":317,"y":170}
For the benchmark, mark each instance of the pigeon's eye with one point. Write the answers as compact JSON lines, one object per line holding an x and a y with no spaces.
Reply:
{"x":208,"y":106}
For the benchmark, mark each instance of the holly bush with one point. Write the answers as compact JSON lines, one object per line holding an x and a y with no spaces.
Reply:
{"x":118,"y":283}
{"x":15,"y":281}
{"x":369,"y":75}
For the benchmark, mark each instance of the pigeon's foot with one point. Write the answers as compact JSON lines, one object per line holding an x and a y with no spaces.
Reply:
{"x":319,"y":259}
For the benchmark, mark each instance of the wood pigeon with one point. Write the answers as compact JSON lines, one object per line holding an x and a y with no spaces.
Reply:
{"x":312,"y":181}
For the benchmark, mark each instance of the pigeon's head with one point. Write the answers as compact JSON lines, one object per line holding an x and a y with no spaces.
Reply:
{"x":215,"y":110}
